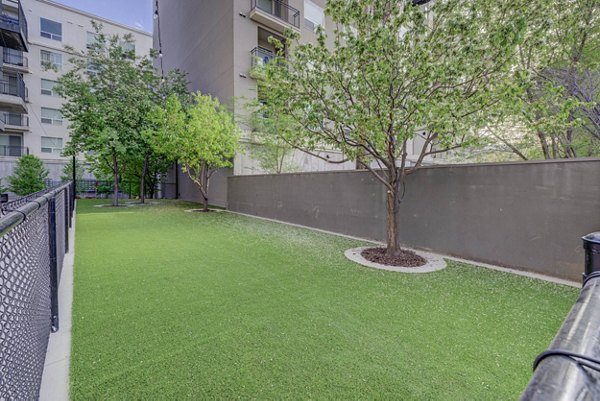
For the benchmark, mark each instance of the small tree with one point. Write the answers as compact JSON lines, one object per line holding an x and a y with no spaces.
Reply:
{"x":202,"y":138}
{"x":395,"y":70}
{"x":29,"y":176}
{"x":270,"y":147}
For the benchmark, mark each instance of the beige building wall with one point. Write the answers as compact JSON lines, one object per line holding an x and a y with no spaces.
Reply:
{"x":75,"y":25}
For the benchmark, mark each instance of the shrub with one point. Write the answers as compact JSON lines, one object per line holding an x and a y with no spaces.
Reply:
{"x":29,"y":176}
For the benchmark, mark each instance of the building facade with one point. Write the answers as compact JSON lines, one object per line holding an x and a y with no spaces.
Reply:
{"x":219,"y":41}
{"x":30,"y":115}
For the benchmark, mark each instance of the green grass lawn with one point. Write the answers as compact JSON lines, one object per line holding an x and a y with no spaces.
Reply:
{"x":173,"y":305}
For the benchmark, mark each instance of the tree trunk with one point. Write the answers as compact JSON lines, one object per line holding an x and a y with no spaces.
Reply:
{"x":545,"y":149}
{"x":115,"y":201}
{"x":393,"y":243}
{"x":205,"y":186}
{"x":143,"y":181}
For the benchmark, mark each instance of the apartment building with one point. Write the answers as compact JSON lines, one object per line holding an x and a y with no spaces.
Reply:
{"x":219,"y":41}
{"x":31,"y":120}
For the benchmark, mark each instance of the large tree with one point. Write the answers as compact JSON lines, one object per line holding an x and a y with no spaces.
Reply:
{"x":109,"y":92}
{"x":203,"y":137}
{"x":395,"y":71}
{"x":556,"y":76}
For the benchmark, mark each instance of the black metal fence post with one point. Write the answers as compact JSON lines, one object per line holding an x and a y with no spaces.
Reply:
{"x":53,"y":263}
{"x":67,"y":203}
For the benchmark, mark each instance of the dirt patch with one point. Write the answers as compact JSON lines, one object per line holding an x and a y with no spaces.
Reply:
{"x":402,"y":259}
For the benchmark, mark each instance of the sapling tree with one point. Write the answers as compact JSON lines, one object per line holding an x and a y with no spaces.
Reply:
{"x":202,"y":137}
{"x":270,"y":140}
{"x":390,"y":71}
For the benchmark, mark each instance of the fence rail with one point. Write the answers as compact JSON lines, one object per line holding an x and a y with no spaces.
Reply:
{"x":34,"y":237}
{"x":570,"y":368}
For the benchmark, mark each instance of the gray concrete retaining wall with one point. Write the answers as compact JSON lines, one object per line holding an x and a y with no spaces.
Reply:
{"x":528,"y":216}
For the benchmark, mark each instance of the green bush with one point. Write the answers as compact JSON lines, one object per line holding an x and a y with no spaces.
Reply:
{"x":29,"y":176}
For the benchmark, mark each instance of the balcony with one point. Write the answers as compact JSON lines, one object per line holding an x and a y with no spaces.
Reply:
{"x":261,"y":56}
{"x":275,"y":14}
{"x":14,"y":60}
{"x":13,"y":25}
{"x":14,"y":122}
{"x":13,"y":94}
{"x":13,"y":151}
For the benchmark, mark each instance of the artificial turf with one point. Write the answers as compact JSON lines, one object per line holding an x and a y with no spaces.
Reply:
{"x":174,"y":305}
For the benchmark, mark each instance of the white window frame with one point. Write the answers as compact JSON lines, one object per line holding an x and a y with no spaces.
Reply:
{"x":53,"y":57}
{"x":312,"y":23}
{"x":89,"y":42}
{"x":51,"y":120}
{"x":50,"y":35}
{"x":48,"y":92}
{"x":52,"y":149}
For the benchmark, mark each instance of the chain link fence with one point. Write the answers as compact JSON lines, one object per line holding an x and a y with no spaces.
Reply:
{"x":33,"y":241}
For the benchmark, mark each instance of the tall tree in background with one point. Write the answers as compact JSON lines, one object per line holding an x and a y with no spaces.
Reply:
{"x":202,"y":137}
{"x":151,"y":163}
{"x":557,"y":79}
{"x":395,"y":70}
{"x":108,"y":93}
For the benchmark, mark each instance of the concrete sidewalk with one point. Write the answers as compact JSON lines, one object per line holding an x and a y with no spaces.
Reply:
{"x":55,"y":381}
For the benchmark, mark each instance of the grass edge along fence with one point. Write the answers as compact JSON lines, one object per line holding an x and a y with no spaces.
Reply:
{"x":34,"y":237}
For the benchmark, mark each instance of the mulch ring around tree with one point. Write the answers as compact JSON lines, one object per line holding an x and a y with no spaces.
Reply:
{"x":403,"y":258}
{"x":211,"y":210}
{"x":412,"y":260}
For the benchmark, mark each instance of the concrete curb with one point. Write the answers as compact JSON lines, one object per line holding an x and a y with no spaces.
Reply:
{"x":55,"y":380}
{"x":434,"y":262}
{"x":536,"y":276}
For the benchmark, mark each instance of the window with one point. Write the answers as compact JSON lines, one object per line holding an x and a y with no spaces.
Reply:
{"x":51,"y":116}
{"x":50,"y":29}
{"x":48,"y":87}
{"x":51,"y":60}
{"x":313,"y":15}
{"x":92,"y":39}
{"x":11,"y":145}
{"x":52,"y":145}
{"x":92,"y":68}
{"x":128,"y":46}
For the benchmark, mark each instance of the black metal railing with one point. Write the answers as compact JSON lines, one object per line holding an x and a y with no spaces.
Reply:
{"x":570,"y":368}
{"x":261,"y":56}
{"x":14,"y":57}
{"x":34,"y":237}
{"x":18,"y":24}
{"x":15,"y":87}
{"x":279,"y":9}
{"x":15,"y":119}
{"x":13,"y":151}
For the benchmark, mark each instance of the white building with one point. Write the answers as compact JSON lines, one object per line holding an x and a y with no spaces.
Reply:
{"x":31,"y":114}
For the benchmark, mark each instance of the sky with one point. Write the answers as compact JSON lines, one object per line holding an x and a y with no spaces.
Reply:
{"x":135,"y":13}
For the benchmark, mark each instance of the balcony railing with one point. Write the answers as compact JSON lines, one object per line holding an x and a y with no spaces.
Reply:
{"x":15,"y":119}
{"x":14,"y":28}
{"x":14,"y":57}
{"x":13,"y":151}
{"x":261,"y":56}
{"x":279,"y":9}
{"x":14,"y":88}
